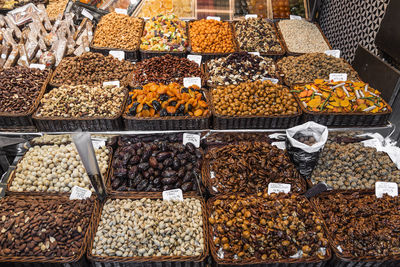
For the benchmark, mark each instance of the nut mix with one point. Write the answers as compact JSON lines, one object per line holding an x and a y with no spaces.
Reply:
{"x":306,"y":68}
{"x":42,"y":226}
{"x":265,"y":228}
{"x":302,"y":36}
{"x":55,"y":168}
{"x":164,"y":33}
{"x":165,"y":69}
{"x":155,"y":166}
{"x":118,"y":31}
{"x":257,"y":35}
{"x":20,"y":88}
{"x":249,"y":167}
{"x":158,"y":100}
{"x":150,"y":228}
{"x":362,"y":225}
{"x":91,"y":69}
{"x":254,"y":99}
{"x":344,"y":96}
{"x":354,"y":166}
{"x":211,"y":36}
{"x":240,"y":67}
{"x":181,"y":8}
{"x":56,"y":8}
{"x":82,"y":101}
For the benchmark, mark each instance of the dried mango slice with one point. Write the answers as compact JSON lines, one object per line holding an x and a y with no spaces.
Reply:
{"x":314,"y":103}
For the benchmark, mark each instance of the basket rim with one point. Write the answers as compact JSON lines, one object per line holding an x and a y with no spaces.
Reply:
{"x":136,"y":196}
{"x":218,"y":260}
{"x":44,"y":259}
{"x":35,"y":103}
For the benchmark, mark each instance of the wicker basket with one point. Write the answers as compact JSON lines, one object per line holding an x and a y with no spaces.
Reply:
{"x":309,"y":262}
{"x":97,"y":123}
{"x":12,"y":120}
{"x":74,"y":261}
{"x":290,"y":53}
{"x":170,"y":261}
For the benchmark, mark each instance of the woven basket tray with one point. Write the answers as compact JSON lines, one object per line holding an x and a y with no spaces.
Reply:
{"x":309,"y":262}
{"x":97,"y":123}
{"x":343,"y":119}
{"x":353,"y":261}
{"x":46,"y":193}
{"x":168,"y":123}
{"x":74,"y":261}
{"x":290,"y":53}
{"x":23,"y":119}
{"x":170,"y":261}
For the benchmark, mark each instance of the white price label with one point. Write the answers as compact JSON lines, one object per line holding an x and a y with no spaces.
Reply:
{"x":338,"y":77}
{"x":191,"y":138}
{"x":187,"y":82}
{"x":273,"y":80}
{"x":389,"y":188}
{"x":118,"y":54}
{"x":174,"y":194}
{"x":3,"y":56}
{"x":116,"y":83}
{"x":212,"y":174}
{"x":250,"y":16}
{"x":37,"y":66}
{"x":255,"y":53}
{"x":87,"y":14}
{"x":294,"y":17}
{"x":333,"y":53}
{"x":278,"y":188}
{"x":195,"y":58}
{"x":79,"y":193}
{"x":214,"y":18}
{"x":98,"y":143}
{"x":121,"y":11}
{"x":280,"y":145}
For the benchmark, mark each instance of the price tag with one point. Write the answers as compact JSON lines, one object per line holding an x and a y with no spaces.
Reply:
{"x":273,"y":80}
{"x":187,"y":82}
{"x":333,"y":53}
{"x":195,"y":58}
{"x":87,"y":14}
{"x":37,"y":66}
{"x":250,"y":16}
{"x":389,"y":188}
{"x":338,"y":77}
{"x":278,"y":188}
{"x":212,"y":174}
{"x":121,"y":11}
{"x":116,"y":83}
{"x":79,"y":193}
{"x":255,"y":53}
{"x":293,"y":17}
{"x":98,"y":143}
{"x":280,"y":145}
{"x":214,"y":18}
{"x":118,"y":54}
{"x":3,"y":56}
{"x":191,"y":138}
{"x":174,"y":194}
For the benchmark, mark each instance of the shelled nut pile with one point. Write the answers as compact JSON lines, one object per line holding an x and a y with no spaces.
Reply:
{"x":249,"y":167}
{"x":37,"y":226}
{"x":55,"y":168}
{"x":265,"y":227}
{"x":149,"y":228}
{"x":354,"y":166}
{"x":55,"y":8}
{"x":254,"y":98}
{"x":82,"y":101}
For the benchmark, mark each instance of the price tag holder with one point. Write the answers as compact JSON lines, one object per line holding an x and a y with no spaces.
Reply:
{"x":79,"y":193}
{"x":251,"y":16}
{"x":294,"y":17}
{"x":37,"y":66}
{"x":191,"y":138}
{"x":195,"y":58}
{"x":116,"y":83}
{"x":121,"y":11}
{"x":278,"y":188}
{"x":389,"y":188}
{"x":87,"y":14}
{"x":214,"y":18}
{"x":338,"y":77}
{"x":187,"y":82}
{"x":174,"y":194}
{"x":255,"y":53}
{"x":333,"y":53}
{"x":118,"y":54}
{"x":273,"y":80}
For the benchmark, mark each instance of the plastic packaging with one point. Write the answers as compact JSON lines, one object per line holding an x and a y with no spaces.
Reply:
{"x":23,"y":58}
{"x":23,"y":14}
{"x":6,"y":49}
{"x":12,"y":58}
